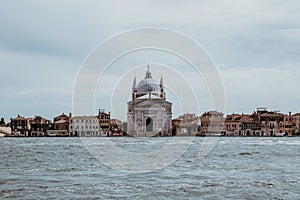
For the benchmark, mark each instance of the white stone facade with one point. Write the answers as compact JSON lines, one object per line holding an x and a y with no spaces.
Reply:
{"x":84,"y":126}
{"x":149,"y":113}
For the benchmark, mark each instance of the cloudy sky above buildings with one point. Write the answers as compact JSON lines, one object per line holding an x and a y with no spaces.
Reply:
{"x":255,"y":45}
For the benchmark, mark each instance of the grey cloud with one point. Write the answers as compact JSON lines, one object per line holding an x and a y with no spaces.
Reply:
{"x":52,"y":38}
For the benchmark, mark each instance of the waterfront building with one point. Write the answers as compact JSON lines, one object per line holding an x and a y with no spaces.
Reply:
{"x":251,"y":125}
{"x":115,"y":127}
{"x":212,"y":123}
{"x":288,"y":124}
{"x":272,"y":122}
{"x":233,"y":124}
{"x":260,"y":123}
{"x":84,"y":126}
{"x":104,"y":123}
{"x":296,"y":123}
{"x":186,"y":125}
{"x":243,"y":125}
{"x":20,"y":126}
{"x":175,"y":125}
{"x":149,"y":113}
{"x":39,"y":126}
{"x":60,"y":126}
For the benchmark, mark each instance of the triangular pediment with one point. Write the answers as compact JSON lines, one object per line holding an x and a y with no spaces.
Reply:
{"x":149,"y":103}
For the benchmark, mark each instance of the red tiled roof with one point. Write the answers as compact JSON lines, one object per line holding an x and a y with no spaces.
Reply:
{"x":19,"y":118}
{"x":271,"y":114}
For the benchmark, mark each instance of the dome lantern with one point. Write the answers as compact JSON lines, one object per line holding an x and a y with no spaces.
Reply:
{"x":148,"y":86}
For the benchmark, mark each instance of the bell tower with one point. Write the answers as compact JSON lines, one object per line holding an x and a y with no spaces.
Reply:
{"x":162,"y":89}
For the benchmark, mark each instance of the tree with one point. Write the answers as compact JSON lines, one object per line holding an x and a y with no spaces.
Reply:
{"x":2,"y":121}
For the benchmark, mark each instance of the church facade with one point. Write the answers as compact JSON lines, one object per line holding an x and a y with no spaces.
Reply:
{"x":149,"y":113}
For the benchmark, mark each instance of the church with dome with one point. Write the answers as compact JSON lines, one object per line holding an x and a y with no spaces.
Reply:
{"x":149,"y":113}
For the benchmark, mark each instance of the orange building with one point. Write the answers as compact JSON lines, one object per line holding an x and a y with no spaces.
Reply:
{"x":288,"y":124}
{"x":296,"y":123}
{"x":233,"y":125}
{"x":186,"y":125}
{"x":272,"y":123}
{"x":212,"y":123}
{"x":60,"y":126}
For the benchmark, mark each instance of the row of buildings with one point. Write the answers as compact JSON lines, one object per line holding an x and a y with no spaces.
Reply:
{"x":150,"y":114}
{"x":67,"y":125}
{"x":261,"y":122}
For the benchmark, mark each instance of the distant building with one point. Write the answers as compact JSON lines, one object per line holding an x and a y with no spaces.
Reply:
{"x":20,"y":126}
{"x":104,"y":123}
{"x":149,"y":113}
{"x":260,"y":123}
{"x":296,"y":123}
{"x":288,"y":124}
{"x":233,"y":125}
{"x":212,"y":123}
{"x":175,"y":125}
{"x":251,"y":125}
{"x":39,"y":126}
{"x":109,"y":127}
{"x":243,"y":125}
{"x":272,"y":122}
{"x":186,"y":125}
{"x":60,"y":126}
{"x":84,"y":126}
{"x":115,"y":126}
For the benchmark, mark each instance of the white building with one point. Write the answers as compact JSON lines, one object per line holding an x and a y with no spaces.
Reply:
{"x":148,"y":112}
{"x":84,"y":126}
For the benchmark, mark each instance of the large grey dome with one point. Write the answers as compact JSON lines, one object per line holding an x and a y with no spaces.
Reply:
{"x":148,"y":85}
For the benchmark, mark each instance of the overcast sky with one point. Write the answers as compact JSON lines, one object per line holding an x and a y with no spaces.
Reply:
{"x":255,"y":44}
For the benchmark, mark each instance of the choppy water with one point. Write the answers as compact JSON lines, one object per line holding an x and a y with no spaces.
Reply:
{"x":237,"y":168}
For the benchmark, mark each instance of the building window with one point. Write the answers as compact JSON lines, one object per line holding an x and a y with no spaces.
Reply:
{"x":271,"y":125}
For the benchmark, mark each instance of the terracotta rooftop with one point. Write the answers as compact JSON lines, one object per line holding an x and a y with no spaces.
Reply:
{"x":19,"y":118}
{"x":271,"y":114}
